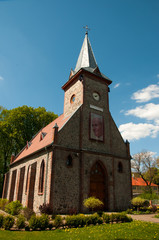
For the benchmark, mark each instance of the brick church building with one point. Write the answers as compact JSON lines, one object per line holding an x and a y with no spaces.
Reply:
{"x":79,"y":154}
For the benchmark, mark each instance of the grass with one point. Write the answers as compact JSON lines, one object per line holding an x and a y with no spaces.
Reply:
{"x":135,"y":230}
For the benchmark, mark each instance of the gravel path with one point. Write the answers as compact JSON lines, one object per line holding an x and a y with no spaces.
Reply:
{"x":146,"y":218}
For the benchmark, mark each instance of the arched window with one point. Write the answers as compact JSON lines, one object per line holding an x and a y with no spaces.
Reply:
{"x":27,"y":179}
{"x":69,"y":161}
{"x":41,"y":178}
{"x":120,"y":167}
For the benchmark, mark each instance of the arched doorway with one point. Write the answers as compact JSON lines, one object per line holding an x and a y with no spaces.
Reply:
{"x":98,"y":183}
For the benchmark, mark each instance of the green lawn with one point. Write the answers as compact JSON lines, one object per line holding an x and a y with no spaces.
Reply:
{"x":135,"y":231}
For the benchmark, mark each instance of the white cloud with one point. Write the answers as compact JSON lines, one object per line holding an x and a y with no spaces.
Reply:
{"x":146,"y":94}
{"x":1,"y":78}
{"x":131,"y":131}
{"x":117,"y":85}
{"x":149,"y":111}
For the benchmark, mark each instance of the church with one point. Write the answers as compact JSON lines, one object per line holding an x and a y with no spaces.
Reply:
{"x":78,"y":155}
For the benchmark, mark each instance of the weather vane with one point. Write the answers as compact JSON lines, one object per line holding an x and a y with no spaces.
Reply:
{"x":87,"y":29}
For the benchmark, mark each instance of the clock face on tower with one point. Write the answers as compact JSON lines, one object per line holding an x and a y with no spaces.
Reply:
{"x":96,"y":96}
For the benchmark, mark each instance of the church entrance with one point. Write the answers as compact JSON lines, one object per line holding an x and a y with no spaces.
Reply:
{"x":98,"y":184}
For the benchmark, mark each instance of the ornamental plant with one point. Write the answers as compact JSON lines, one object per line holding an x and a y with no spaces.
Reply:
{"x":138,"y":202}
{"x":20,"y":223}
{"x":13,"y":208}
{"x":34,"y":222}
{"x":93,"y":203}
{"x":58,"y":221}
{"x":8,"y":222}
{"x":3,"y":203}
{"x":1,"y":220}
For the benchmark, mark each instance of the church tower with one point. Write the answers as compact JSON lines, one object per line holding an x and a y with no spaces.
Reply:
{"x":104,"y":156}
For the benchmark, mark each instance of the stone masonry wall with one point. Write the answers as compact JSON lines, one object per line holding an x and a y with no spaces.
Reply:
{"x":77,"y":91}
{"x":38,"y":199}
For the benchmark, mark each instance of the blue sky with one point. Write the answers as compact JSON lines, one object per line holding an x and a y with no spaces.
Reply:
{"x":40,"y":41}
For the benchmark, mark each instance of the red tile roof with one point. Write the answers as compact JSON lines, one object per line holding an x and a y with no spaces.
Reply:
{"x":37,"y":143}
{"x":140,"y":182}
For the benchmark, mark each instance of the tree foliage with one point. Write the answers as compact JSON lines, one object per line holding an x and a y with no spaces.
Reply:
{"x":93,"y":203}
{"x":145,"y":165}
{"x":17,"y":126}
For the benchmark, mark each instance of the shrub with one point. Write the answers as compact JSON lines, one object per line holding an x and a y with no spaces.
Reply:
{"x":138,"y":202}
{"x":13,"y":208}
{"x":34,"y":222}
{"x":93,"y":203}
{"x":1,"y":220}
{"x":20,"y":223}
{"x":76,"y":220}
{"x":114,"y":217}
{"x":106,"y":217}
{"x":157,"y":216}
{"x":3,"y":203}
{"x":93,"y":219}
{"x":153,"y":208}
{"x":58,"y":221}
{"x":46,"y":208}
{"x":43,"y":221}
{"x":27,"y":212}
{"x":124,"y":218}
{"x":8,"y":222}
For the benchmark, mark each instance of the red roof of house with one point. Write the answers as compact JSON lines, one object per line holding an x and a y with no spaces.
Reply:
{"x":38,"y":142}
{"x":140,"y":182}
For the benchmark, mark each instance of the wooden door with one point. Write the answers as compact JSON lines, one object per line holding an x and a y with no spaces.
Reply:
{"x":98,"y":183}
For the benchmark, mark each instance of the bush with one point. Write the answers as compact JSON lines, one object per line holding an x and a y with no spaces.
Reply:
{"x":27,"y":212}
{"x":124,"y":218}
{"x":1,"y":220}
{"x":93,"y":219}
{"x":43,"y":221}
{"x":20,"y":223}
{"x":34,"y":222}
{"x":58,"y":221}
{"x":76,"y":220}
{"x":153,"y":208}
{"x":139,"y":202}
{"x":3,"y":203}
{"x":46,"y":208}
{"x":13,"y":208}
{"x":93,"y":203}
{"x":114,"y":217}
{"x":8,"y":222}
{"x":106,"y":217}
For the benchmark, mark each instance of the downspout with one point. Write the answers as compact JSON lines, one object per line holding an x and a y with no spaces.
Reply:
{"x":46,"y":175}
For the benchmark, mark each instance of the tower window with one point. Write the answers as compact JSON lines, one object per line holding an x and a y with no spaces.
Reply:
{"x":73,"y":98}
{"x":120,"y":167}
{"x":69,"y":161}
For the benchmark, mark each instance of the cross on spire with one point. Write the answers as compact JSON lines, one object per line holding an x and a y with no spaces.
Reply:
{"x":87,"y":29}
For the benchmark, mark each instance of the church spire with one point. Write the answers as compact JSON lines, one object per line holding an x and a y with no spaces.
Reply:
{"x":86,"y":57}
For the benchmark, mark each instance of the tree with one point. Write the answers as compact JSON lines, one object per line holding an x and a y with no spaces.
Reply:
{"x":145,"y":165}
{"x":93,"y":203}
{"x":17,"y":126}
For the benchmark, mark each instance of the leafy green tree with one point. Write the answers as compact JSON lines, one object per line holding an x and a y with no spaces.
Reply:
{"x":93,"y":203}
{"x":17,"y":126}
{"x":145,"y":166}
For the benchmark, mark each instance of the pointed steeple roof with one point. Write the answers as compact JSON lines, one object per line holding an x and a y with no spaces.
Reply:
{"x":87,"y":61}
{"x":86,"y":57}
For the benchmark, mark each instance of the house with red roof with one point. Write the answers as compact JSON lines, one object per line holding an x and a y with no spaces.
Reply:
{"x":78,"y":155}
{"x":139,"y":186}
